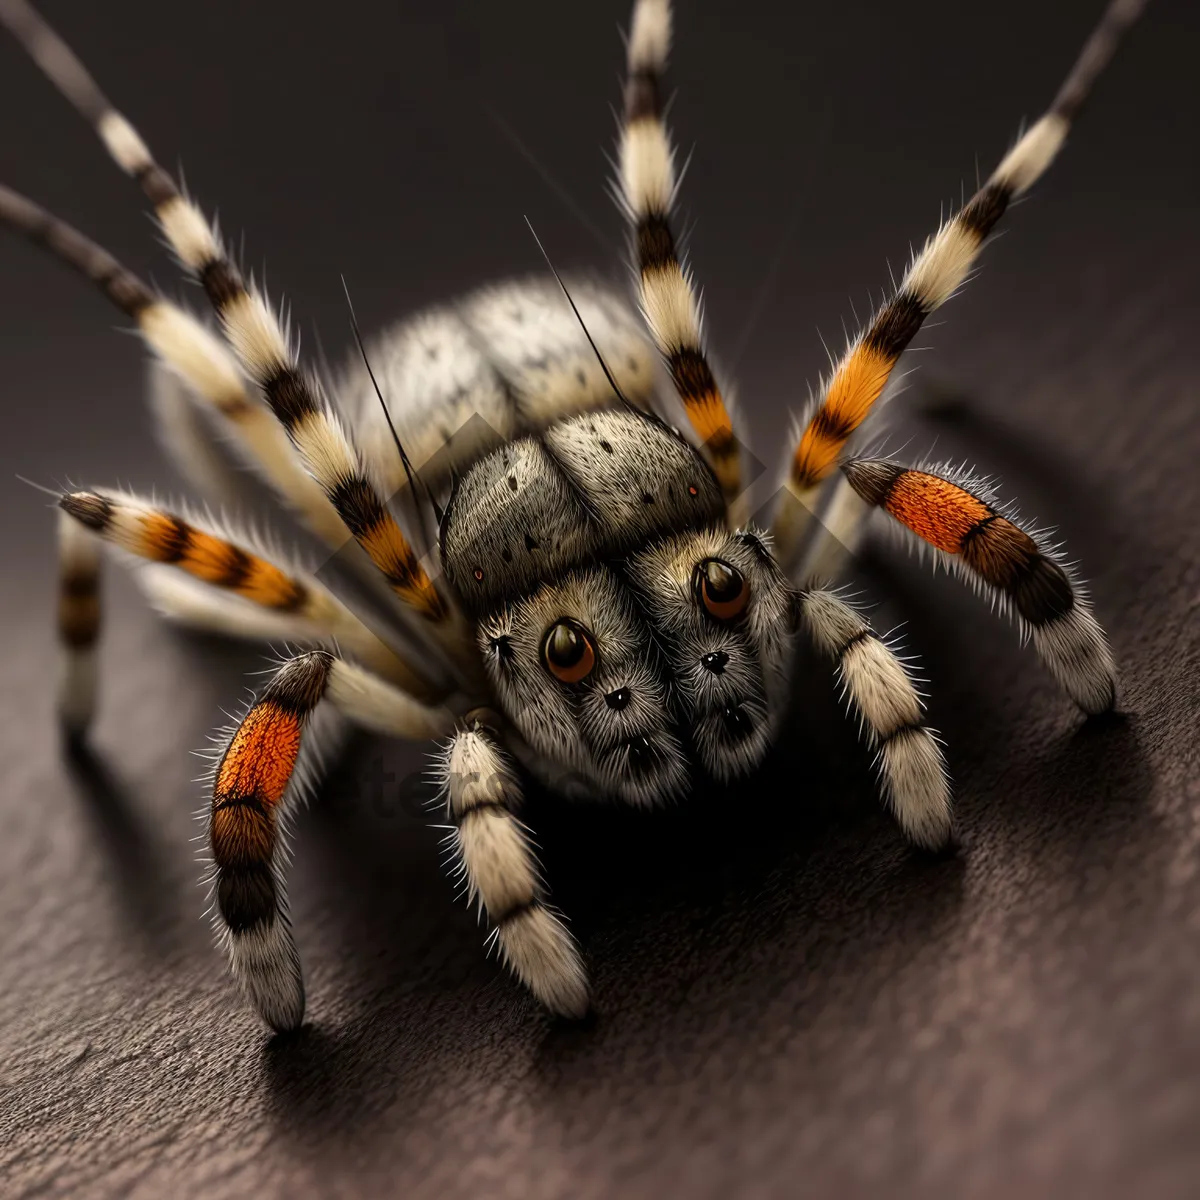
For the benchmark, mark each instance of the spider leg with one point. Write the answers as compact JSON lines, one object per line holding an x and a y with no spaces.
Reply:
{"x":502,"y":876}
{"x":192,"y":353}
{"x":202,"y":364}
{"x":253,"y":794}
{"x":198,"y":606}
{"x":839,"y":530}
{"x":259,"y":341}
{"x":79,"y":562}
{"x":155,"y":535}
{"x":880,"y":690}
{"x":972,"y":534}
{"x":933,"y":276}
{"x":193,"y":444}
{"x":669,"y":301}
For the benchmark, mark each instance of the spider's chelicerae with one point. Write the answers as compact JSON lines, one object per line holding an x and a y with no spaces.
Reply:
{"x":596,"y":612}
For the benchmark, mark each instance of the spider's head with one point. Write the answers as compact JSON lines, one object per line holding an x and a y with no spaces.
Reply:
{"x":632,"y":678}
{"x":631,"y":640}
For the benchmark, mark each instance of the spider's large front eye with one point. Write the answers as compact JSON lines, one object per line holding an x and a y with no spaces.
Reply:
{"x":722,"y":589}
{"x":568,"y":651}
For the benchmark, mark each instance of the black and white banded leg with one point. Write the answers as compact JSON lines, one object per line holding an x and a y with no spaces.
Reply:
{"x":497,"y":864}
{"x":880,"y":690}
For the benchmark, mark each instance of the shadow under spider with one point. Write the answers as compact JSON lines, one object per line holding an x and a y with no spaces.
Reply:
{"x":662,"y":901}
{"x":795,"y":879}
{"x":137,"y":862}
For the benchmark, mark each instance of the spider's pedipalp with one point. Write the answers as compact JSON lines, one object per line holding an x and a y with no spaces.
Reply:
{"x":502,"y":874}
{"x":968,"y":532}
{"x":882,"y":692}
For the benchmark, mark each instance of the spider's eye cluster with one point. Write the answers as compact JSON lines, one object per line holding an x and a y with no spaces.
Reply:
{"x":568,"y":651}
{"x":723,"y":590}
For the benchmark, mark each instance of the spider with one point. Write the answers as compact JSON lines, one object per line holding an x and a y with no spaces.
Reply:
{"x":594,"y":610}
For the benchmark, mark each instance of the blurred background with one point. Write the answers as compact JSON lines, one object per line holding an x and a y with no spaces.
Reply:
{"x":787,"y":997}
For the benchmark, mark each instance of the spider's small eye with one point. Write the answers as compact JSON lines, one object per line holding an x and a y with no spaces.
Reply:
{"x":568,"y":651}
{"x":722,"y":589}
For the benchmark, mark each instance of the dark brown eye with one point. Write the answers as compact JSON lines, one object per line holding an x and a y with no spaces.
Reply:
{"x":722,"y":589}
{"x":568,"y":651}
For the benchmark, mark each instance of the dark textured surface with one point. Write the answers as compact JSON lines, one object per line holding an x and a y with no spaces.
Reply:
{"x":790,"y":1002}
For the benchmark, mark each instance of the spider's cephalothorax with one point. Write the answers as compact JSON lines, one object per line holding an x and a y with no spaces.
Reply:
{"x":628,"y":634}
{"x":602,"y":615}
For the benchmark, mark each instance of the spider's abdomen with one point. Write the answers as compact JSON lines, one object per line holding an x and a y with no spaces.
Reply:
{"x":591,"y":488}
{"x":505,"y":361}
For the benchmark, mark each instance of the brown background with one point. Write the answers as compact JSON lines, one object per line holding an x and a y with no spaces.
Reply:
{"x":790,"y":1002}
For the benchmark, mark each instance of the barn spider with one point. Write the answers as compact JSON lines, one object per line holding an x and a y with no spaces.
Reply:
{"x":596,"y":605}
